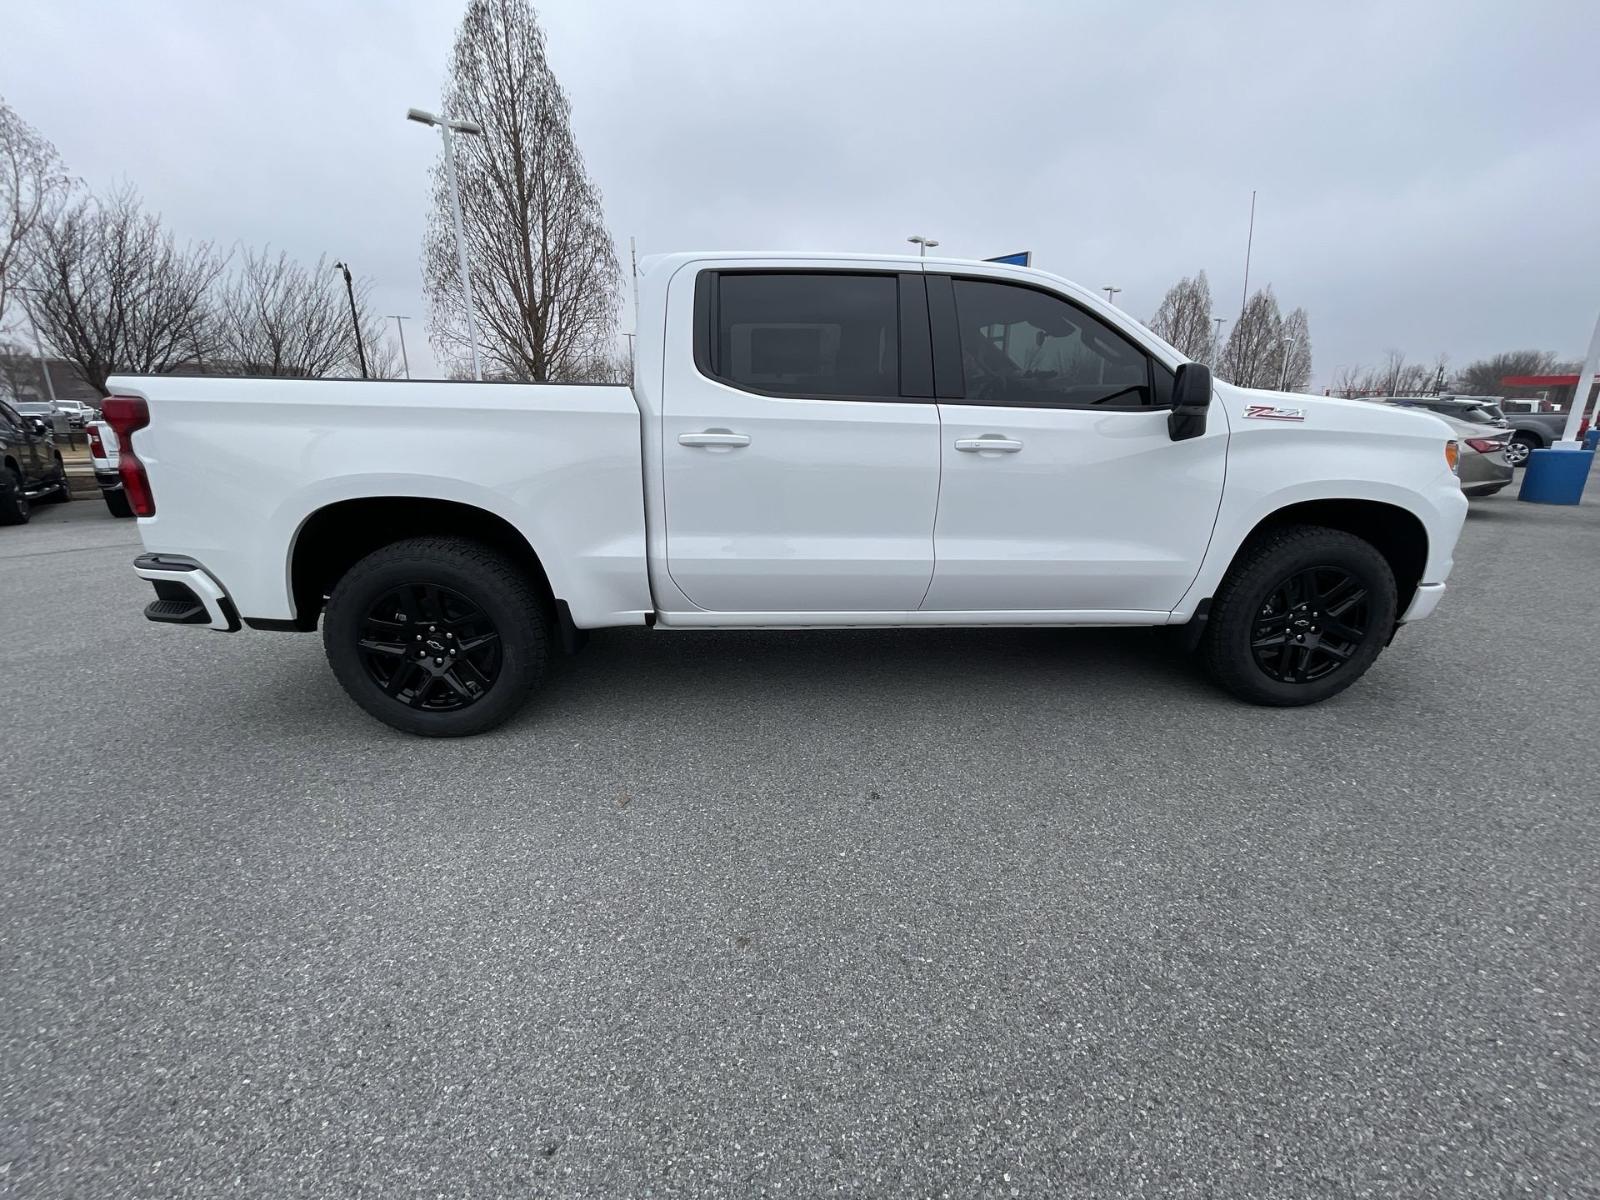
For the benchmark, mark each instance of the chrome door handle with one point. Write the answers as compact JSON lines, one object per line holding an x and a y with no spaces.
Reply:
{"x":714,"y":437}
{"x":989,"y":441}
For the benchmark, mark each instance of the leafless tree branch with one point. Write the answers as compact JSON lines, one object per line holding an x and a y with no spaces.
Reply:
{"x":545,"y":275}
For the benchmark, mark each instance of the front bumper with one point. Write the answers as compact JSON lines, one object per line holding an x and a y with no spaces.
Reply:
{"x":185,"y":593}
{"x":1424,"y":602}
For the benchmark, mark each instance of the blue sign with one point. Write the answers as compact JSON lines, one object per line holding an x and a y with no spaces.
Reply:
{"x":1023,"y":258}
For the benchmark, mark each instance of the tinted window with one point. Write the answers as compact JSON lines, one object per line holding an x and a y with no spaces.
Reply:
{"x":809,"y":335}
{"x":9,"y":418}
{"x":1021,"y":346}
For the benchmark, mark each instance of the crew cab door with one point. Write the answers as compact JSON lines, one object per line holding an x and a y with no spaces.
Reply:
{"x":800,"y":442}
{"x":1062,"y":491}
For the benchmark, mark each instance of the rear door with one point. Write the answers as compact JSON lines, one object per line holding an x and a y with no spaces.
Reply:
{"x":801,"y":443}
{"x":1062,"y":491}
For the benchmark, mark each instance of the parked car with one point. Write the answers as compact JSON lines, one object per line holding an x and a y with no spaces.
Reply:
{"x":103,"y":456}
{"x":78,"y":413}
{"x":1485,"y":466}
{"x":812,"y":441}
{"x":1475,"y":411}
{"x":1530,"y":430}
{"x":41,"y":410}
{"x":30,"y":465}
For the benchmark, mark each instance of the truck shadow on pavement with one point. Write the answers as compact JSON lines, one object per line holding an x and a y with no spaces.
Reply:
{"x":756,"y":669}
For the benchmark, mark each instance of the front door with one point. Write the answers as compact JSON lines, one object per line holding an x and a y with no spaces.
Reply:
{"x":1062,"y":491}
{"x":801,"y":447}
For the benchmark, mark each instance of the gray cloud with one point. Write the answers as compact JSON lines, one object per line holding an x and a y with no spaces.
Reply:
{"x":1427,"y":172}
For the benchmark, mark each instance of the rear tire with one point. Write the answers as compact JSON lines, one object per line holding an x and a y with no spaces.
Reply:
{"x":437,"y":636}
{"x":1519,"y":448}
{"x":14,"y":506}
{"x":1300,"y":616}
{"x":117,"y":503}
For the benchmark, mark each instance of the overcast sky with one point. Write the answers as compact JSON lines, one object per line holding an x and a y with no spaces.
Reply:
{"x":1428,"y":173}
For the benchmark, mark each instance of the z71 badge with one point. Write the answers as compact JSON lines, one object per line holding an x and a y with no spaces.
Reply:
{"x":1271,"y":412}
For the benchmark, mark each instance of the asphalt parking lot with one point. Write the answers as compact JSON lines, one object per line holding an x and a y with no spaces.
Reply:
{"x":942,"y":913}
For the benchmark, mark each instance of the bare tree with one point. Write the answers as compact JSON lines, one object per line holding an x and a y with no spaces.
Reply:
{"x":1294,"y":353}
{"x":1351,"y":382}
{"x":1482,"y":378}
{"x":33,"y":184}
{"x":1184,"y":318}
{"x":545,"y":276}
{"x":273,"y":317}
{"x":1252,"y":357}
{"x":112,"y":291}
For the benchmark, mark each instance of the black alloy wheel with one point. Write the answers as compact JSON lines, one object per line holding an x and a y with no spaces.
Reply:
{"x":1312,"y":623}
{"x":430,"y":647}
{"x":1301,"y":614}
{"x":438,"y":636}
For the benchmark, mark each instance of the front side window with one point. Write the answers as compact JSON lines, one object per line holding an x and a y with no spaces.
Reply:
{"x":1020,"y":346}
{"x":802,"y":334}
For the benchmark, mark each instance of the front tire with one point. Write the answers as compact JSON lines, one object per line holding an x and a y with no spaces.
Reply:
{"x":438,"y":636}
{"x":1300,"y":616}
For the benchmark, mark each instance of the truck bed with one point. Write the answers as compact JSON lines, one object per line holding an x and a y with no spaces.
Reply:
{"x":238,"y":465}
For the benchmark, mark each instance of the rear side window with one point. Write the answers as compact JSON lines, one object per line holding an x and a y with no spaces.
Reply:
{"x":797,"y":334}
{"x":1024,"y":347}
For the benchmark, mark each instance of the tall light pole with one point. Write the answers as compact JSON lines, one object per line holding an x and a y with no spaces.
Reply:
{"x":1249,"y":242}
{"x":922,"y":244}
{"x":1111,"y":294}
{"x":38,"y":346}
{"x":446,"y":127}
{"x":399,"y":324}
{"x":1283,"y":376}
{"x":355,"y":320}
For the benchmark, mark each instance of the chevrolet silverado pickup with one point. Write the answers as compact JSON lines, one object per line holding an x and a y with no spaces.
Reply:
{"x":809,"y":441}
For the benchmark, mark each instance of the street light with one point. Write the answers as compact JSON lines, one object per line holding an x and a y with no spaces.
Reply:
{"x":355,"y":321}
{"x":38,"y":346}
{"x":1283,"y":377}
{"x":399,"y":324}
{"x":1111,"y":294}
{"x":922,"y":244}
{"x":446,"y":127}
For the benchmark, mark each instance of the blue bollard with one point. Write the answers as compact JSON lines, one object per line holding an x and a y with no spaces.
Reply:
{"x":1591,"y":440}
{"x":1556,"y":476}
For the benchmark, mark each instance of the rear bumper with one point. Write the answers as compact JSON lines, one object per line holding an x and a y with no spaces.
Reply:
{"x":186,"y":594}
{"x":1424,"y":602}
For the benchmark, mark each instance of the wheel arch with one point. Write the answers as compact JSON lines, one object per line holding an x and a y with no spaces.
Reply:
{"x":336,"y":536}
{"x":1397,"y":533}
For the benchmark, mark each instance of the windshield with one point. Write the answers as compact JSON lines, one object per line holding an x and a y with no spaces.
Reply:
{"x":33,"y":408}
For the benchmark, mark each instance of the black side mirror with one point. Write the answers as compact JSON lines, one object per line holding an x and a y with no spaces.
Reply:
{"x":40,"y":428}
{"x":1191,"y":397}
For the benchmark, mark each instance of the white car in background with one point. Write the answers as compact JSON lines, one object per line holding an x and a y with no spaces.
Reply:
{"x":103,"y":455}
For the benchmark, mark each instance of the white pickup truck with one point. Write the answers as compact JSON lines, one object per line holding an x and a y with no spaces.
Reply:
{"x":811,"y":441}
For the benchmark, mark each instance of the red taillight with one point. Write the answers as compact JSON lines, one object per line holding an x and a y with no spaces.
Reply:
{"x":1486,"y":445}
{"x":97,"y":447}
{"x":125,"y":414}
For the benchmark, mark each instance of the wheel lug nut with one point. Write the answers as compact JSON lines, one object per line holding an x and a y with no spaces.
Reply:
{"x":438,"y":662}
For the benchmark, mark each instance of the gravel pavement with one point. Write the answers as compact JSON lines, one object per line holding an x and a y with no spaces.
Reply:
{"x":921,"y":913}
